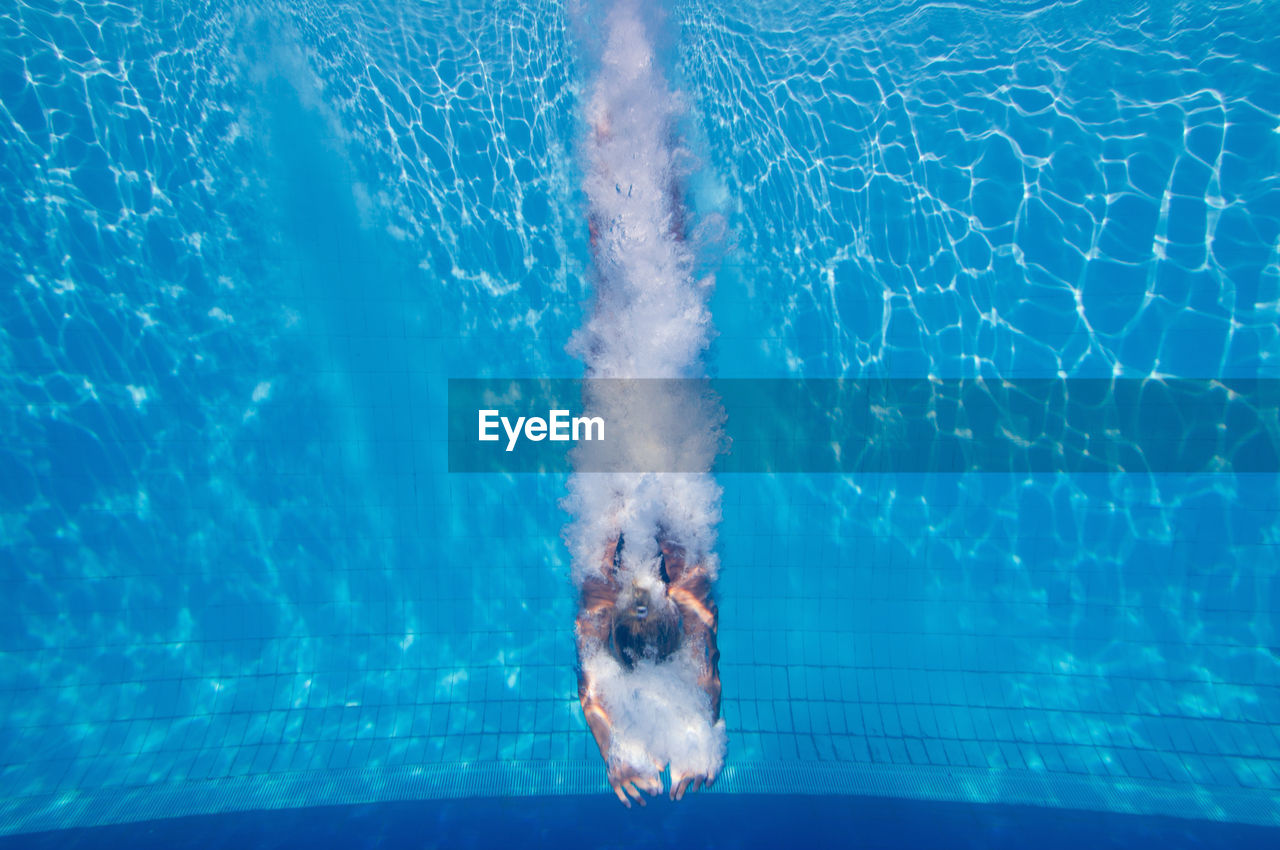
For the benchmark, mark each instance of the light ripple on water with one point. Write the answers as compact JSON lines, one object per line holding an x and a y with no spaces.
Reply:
{"x":927,"y":189}
{"x":1015,"y":189}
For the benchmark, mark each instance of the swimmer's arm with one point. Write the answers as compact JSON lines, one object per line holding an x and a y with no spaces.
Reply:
{"x":595,"y":605}
{"x":598,"y":598}
{"x":709,"y":676}
{"x":597,"y":721}
{"x":691,"y":591}
{"x":592,"y":709}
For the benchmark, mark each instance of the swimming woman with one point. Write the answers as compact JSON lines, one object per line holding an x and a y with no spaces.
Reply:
{"x":644,"y":624}
{"x":648,"y":665}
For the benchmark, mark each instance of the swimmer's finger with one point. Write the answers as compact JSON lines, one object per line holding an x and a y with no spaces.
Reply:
{"x":677,"y":791}
{"x":697,"y":783}
{"x":635,"y":792}
{"x":622,"y":798}
{"x":631,"y":789}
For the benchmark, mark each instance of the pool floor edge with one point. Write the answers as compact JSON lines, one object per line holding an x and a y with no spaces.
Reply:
{"x":309,"y":789}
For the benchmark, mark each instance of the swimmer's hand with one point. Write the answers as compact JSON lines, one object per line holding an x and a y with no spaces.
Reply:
{"x":627,"y":780}
{"x":682,"y":782}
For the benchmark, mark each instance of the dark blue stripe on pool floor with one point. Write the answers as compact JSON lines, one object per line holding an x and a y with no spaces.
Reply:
{"x":707,"y":821}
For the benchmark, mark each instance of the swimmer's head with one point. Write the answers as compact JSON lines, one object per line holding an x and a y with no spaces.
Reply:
{"x":646,"y":625}
{"x":640,"y":604}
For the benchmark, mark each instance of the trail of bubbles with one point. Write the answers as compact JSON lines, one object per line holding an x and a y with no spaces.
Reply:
{"x":650,"y":320}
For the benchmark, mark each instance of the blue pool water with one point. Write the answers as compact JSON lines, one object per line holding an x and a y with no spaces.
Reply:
{"x":243,"y":247}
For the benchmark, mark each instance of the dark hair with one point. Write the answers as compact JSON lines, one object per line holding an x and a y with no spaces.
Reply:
{"x":654,"y":638}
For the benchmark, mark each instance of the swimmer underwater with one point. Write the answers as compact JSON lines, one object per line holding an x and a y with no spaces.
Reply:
{"x":648,"y":664}
{"x":642,"y":620}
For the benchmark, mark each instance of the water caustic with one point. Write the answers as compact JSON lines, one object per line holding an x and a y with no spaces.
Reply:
{"x":1082,"y":188}
{"x":246,"y":245}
